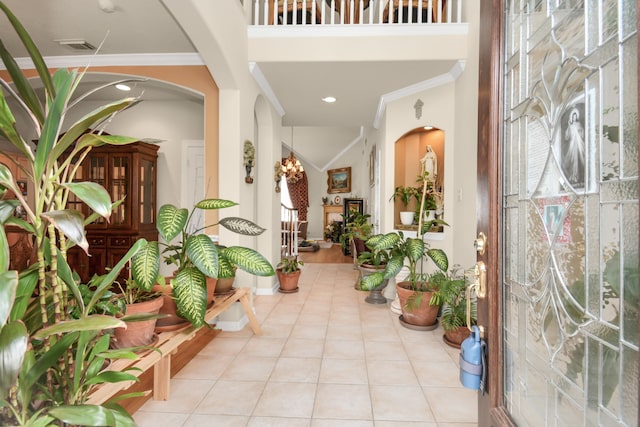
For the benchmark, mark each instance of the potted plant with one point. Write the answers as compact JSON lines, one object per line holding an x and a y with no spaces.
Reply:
{"x":405,"y":194}
{"x":356,"y":231}
{"x":416,"y":290}
{"x":288,"y":271}
{"x":140,"y":308}
{"x":50,"y":360}
{"x":451,"y":293}
{"x":195,"y":256}
{"x":381,"y":249}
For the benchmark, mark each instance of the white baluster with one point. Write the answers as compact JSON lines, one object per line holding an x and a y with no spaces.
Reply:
{"x":351,"y":7}
{"x":333,"y":10}
{"x":430,"y":12}
{"x":342,"y":6}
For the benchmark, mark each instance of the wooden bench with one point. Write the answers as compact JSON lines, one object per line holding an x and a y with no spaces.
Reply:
{"x":160,"y":358}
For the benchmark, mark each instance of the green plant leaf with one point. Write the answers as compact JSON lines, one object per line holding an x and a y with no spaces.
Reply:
{"x":242,"y":226}
{"x":78,"y":129}
{"x":8,"y":290}
{"x":203,"y":254}
{"x":7,"y":207}
{"x":63,"y":80}
{"x":27,"y":281}
{"x":225,"y":268}
{"x":215,"y":204}
{"x":6,"y":178}
{"x":70,"y":223}
{"x":86,"y":415}
{"x":107,"y":280}
{"x":414,"y":249}
{"x":38,"y":62}
{"x":171,"y":221}
{"x":371,"y":281}
{"x":5,"y":255}
{"x":13,"y":345}
{"x":111,"y":377}
{"x":145,"y":265}
{"x":439,"y":258}
{"x":94,"y":195}
{"x":249,"y":260}
{"x":383,"y":241}
{"x":47,"y":360}
{"x":190,"y":292}
{"x":95,"y":322}
{"x":394,"y":265}
{"x":18,"y":222}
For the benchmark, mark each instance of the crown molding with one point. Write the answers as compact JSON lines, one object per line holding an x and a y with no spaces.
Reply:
{"x":142,"y":59}
{"x":259,"y":77}
{"x":455,"y":72}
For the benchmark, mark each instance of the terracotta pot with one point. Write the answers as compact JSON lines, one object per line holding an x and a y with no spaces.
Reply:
{"x":225,"y":285}
{"x":211,"y":288}
{"x":140,"y":333}
{"x":360,"y":246}
{"x":455,"y":337}
{"x":424,"y":314}
{"x":288,"y":281}
{"x":172,"y":321}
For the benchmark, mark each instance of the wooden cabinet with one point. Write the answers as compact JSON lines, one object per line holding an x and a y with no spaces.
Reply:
{"x":128,"y":173}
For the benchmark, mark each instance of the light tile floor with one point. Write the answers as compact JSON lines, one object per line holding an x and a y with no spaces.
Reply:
{"x":326,"y":359}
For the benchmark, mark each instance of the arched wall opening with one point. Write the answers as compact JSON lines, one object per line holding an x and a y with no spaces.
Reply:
{"x":410,"y":151}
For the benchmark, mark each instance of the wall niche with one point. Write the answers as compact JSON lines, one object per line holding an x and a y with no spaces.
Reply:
{"x":410,"y":151}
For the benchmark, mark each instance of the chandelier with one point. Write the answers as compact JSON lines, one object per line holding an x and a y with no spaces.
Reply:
{"x":291,"y":168}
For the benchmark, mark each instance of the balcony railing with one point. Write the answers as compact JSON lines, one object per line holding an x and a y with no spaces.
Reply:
{"x":362,"y":12}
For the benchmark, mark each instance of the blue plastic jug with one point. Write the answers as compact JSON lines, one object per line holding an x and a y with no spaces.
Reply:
{"x":472,"y":361}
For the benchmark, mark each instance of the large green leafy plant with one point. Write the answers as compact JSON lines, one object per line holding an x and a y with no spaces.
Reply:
{"x":49,"y":361}
{"x":196,"y":257}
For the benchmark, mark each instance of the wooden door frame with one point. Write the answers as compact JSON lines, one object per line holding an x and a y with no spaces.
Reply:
{"x":491,"y":410}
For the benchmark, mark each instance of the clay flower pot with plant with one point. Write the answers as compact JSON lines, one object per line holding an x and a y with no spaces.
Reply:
{"x":405,"y":194}
{"x":195,"y":256}
{"x":452,"y":294}
{"x":140,"y":312}
{"x":416,"y":290}
{"x":356,"y":231}
{"x":380,"y":250}
{"x":288,"y":272}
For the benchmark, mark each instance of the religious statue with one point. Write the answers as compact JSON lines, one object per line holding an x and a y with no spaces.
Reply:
{"x":430,"y":164}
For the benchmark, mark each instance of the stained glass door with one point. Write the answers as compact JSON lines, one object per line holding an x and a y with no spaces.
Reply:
{"x":568,"y":259}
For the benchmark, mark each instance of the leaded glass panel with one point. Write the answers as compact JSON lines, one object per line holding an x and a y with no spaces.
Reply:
{"x":571,"y":213}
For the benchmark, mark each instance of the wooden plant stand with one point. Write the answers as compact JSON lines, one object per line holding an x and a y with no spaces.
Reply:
{"x":159,"y":358}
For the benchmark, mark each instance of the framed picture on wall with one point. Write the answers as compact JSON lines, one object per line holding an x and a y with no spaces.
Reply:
{"x":339,"y":180}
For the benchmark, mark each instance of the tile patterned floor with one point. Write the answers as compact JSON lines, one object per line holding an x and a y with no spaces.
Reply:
{"x":325,"y":359}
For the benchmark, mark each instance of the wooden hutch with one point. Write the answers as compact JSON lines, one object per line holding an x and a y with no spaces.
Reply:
{"x":127,"y":172}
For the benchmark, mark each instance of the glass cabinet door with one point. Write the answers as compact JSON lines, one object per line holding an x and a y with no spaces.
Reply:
{"x":120,"y":175}
{"x":98,"y":174}
{"x":147,"y":191}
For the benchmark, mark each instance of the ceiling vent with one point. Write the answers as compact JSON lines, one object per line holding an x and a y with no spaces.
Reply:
{"x":77,"y":44}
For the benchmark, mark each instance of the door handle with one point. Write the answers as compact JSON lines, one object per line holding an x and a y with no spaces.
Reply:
{"x":480,"y":279}
{"x":479,"y":285}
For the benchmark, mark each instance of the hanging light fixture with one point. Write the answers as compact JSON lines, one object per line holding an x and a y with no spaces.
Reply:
{"x":292,"y":168}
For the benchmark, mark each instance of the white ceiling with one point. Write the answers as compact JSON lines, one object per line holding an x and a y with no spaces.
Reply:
{"x":145,"y":26}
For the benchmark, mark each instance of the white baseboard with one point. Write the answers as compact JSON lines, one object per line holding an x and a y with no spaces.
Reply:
{"x":231,"y":326}
{"x":266,"y":291}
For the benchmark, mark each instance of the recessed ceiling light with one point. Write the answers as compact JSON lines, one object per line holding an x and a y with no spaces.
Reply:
{"x":123,"y":87}
{"x":428,"y":127}
{"x":329,"y":99}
